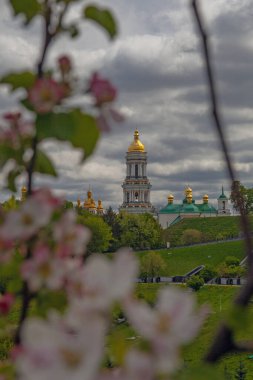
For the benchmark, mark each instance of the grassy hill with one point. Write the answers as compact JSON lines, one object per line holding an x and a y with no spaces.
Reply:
{"x":217,"y":228}
{"x":179,"y":261}
{"x":219,"y":299}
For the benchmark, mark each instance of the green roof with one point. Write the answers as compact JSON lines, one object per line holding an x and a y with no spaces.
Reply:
{"x":222,"y":196}
{"x":188,"y":208}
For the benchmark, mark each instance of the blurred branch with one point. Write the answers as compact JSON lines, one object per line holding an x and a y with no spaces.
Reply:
{"x":224,"y":341}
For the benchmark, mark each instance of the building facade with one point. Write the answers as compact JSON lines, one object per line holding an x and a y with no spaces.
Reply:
{"x":136,"y":186}
{"x":188,"y":208}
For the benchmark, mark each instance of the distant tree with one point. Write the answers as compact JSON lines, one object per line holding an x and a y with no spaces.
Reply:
{"x":68,"y":205}
{"x":208,"y":273}
{"x":140,"y":231}
{"x":112,"y":219}
{"x":152,"y":265}
{"x":195,"y":283}
{"x":241,"y":194}
{"x":240,"y":373}
{"x":191,"y":236}
{"x":101,"y":233}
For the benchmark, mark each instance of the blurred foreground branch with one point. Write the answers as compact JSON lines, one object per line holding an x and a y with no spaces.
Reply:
{"x":224,"y":340}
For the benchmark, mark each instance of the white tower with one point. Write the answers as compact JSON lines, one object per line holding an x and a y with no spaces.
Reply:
{"x":223,"y":208}
{"x":136,"y":186}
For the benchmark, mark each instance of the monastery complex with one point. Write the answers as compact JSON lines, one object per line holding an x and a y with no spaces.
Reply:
{"x":136,"y":193}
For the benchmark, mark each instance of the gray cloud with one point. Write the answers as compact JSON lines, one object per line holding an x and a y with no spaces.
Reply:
{"x":156,"y":64}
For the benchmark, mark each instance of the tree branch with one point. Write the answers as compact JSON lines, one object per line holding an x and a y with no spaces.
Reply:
{"x":224,"y":341}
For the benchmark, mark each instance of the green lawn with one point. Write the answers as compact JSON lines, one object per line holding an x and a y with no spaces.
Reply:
{"x":179,"y":261}
{"x":216,"y":228}
{"x":219,"y":298}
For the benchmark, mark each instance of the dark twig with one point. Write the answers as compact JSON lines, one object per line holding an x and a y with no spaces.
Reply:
{"x":224,"y":341}
{"x":49,"y":35}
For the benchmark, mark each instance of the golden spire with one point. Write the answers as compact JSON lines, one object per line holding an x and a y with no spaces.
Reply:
{"x":136,"y":145}
{"x":23,"y":194}
{"x":170,"y":199}
{"x":188,"y":191}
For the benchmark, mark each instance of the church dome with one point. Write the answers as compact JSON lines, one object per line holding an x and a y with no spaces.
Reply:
{"x":136,"y":145}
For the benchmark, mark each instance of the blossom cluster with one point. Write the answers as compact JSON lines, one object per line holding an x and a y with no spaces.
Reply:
{"x":72,"y":345}
{"x":17,"y":130}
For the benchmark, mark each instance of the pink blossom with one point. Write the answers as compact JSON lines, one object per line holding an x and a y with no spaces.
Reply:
{"x":71,"y":238}
{"x":43,"y":270}
{"x":102,"y":90}
{"x":17,"y":130}
{"x":45,"y":94}
{"x":33,"y":214}
{"x":64,"y":64}
{"x":6,"y":302}
{"x":60,"y":351}
{"x":171,"y":323}
{"x":105,"y":281}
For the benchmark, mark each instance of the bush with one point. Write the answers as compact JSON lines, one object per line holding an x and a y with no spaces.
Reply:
{"x":195,"y":283}
{"x":191,"y":236}
{"x":208,"y":273}
{"x":232,"y":261}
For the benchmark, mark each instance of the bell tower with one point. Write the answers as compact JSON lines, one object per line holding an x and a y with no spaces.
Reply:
{"x":136,"y":186}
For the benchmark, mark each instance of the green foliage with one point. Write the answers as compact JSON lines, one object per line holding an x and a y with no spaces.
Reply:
{"x":103,"y":18}
{"x":245,"y":197}
{"x":191,"y":236}
{"x":232,"y":261}
{"x":195,"y":283}
{"x":241,"y":372}
{"x":208,"y":273}
{"x":28,"y":8}
{"x":152,"y":265}
{"x":101,"y":233}
{"x":140,"y":231}
{"x":10,"y":204}
{"x":43,"y":164}
{"x":179,"y":261}
{"x":24,"y":79}
{"x":212,"y":229}
{"x":75,"y":127}
{"x":112,"y":219}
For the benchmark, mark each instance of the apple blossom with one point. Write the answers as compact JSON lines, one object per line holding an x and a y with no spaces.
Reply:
{"x":43,"y":270}
{"x":71,"y":238}
{"x":45,"y":94}
{"x":60,"y":351}
{"x":106,"y":281}
{"x":64,"y":63}
{"x":102,"y":90}
{"x":173,"y":322}
{"x":6,"y":302}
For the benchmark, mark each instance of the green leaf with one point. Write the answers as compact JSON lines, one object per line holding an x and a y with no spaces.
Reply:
{"x":196,"y":373}
{"x":6,"y":153}
{"x":102,"y":17}
{"x":11,"y":179}
{"x":44,"y":165}
{"x":29,"y":8}
{"x":76,"y":127}
{"x":23,"y":79}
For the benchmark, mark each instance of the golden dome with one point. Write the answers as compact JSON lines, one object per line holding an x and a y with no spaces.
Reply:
{"x":100,"y":207}
{"x":205,"y":198}
{"x":23,"y":193}
{"x":187,"y":191}
{"x":189,"y":198}
{"x":170,"y":198}
{"x":136,"y":145}
{"x":78,"y":202}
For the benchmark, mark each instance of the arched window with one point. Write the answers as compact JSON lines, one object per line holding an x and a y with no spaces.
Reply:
{"x":127,"y":197}
{"x":136,"y":196}
{"x":223,"y":205}
{"x":136,"y":171}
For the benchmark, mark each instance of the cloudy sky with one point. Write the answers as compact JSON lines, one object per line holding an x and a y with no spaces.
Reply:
{"x":156,"y":64}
